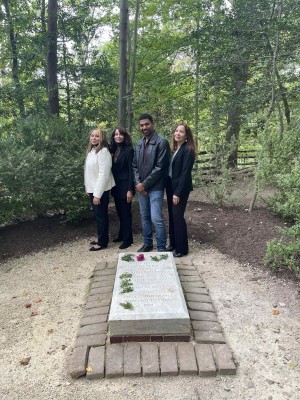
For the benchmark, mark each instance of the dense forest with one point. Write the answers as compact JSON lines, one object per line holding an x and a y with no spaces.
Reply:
{"x":228,"y":68}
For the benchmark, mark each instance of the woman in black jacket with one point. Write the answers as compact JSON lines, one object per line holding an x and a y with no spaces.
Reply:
{"x":179,"y":186}
{"x":122,"y":154}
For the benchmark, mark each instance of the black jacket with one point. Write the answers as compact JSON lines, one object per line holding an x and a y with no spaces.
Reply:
{"x":182,"y":166}
{"x":153,"y":171}
{"x":123,"y":174}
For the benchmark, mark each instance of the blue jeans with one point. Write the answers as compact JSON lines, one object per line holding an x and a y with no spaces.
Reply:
{"x":151,"y":212}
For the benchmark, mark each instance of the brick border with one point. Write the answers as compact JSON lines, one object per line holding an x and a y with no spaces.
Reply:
{"x":207,"y":354}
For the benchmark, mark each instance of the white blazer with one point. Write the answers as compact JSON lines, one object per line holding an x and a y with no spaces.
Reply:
{"x":98,"y":177}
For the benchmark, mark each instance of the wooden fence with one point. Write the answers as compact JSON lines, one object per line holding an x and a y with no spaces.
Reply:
{"x":207,"y":163}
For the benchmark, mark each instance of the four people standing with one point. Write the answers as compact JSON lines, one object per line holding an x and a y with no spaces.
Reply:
{"x":148,"y":170}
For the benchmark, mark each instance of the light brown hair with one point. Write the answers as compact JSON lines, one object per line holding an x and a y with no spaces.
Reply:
{"x":189,"y":139}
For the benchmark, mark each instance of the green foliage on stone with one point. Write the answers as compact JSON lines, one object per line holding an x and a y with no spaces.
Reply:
{"x":160,"y":257}
{"x":128,"y":305}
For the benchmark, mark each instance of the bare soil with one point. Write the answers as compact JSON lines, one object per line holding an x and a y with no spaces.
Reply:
{"x":45,"y":268}
{"x":231,"y":229}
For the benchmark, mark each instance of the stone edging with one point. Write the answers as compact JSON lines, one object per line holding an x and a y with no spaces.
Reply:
{"x":206,"y":355}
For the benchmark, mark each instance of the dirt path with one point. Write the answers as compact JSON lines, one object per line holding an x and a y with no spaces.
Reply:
{"x":55,"y":282}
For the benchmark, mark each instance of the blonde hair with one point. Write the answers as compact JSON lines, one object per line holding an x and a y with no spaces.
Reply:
{"x":102,"y":140}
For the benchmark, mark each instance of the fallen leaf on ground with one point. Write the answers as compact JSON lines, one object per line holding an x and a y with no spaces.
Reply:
{"x":292,"y":365}
{"x":275,"y":312}
{"x":89,"y":369}
{"x":63,"y":346}
{"x":25,"y":360}
{"x":34,"y":313}
{"x":270,"y":381}
{"x":24,"y":293}
{"x":28,"y":305}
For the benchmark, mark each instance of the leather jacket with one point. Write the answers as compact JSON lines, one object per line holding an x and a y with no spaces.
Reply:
{"x":151,"y":165}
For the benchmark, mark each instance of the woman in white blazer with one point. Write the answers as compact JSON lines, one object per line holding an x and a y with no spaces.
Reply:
{"x":98,"y":181}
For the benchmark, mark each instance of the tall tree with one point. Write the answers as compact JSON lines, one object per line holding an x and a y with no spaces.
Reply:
{"x":131,"y":79}
{"x":15,"y":59}
{"x":52,"y":58}
{"x":123,"y":46}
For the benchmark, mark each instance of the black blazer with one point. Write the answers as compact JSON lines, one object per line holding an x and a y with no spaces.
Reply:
{"x":182,"y":166}
{"x":123,"y":173}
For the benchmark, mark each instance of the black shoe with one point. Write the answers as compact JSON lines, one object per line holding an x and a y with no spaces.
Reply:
{"x":162,"y":249}
{"x":179,"y":254}
{"x":93,"y":242}
{"x":145,"y":248}
{"x":97,"y":249}
{"x":117,"y":239}
{"x":124,"y":245}
{"x":170,"y":248}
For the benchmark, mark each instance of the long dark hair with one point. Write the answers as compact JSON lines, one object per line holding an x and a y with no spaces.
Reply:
{"x":190,"y":143}
{"x":127,"y":139}
{"x":102,"y":141}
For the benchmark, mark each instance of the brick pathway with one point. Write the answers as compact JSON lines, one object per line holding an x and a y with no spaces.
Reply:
{"x":206,"y":355}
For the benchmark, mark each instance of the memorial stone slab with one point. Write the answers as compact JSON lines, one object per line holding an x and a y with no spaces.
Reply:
{"x":155,"y":305}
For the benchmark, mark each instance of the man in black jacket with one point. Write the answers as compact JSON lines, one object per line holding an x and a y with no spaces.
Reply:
{"x":150,"y":170}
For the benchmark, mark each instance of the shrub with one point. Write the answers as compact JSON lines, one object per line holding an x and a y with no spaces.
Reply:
{"x":279,"y":163}
{"x":285,"y":252}
{"x":42,"y":169}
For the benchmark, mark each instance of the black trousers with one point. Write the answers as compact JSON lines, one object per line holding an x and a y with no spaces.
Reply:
{"x":101,"y":218}
{"x":177,"y":224}
{"x":124,"y":212}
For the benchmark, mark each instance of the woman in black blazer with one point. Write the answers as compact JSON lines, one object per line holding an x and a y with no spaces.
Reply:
{"x":179,"y":186}
{"x":122,"y":154}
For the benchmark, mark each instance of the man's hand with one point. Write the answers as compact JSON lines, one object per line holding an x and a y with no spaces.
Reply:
{"x":140,"y":187}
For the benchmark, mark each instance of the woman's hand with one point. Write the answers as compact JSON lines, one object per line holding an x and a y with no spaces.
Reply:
{"x":129,"y":196}
{"x":176,"y":200}
{"x":96,"y":201}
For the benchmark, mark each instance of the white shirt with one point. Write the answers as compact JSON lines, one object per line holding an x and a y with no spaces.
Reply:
{"x":98,"y":177}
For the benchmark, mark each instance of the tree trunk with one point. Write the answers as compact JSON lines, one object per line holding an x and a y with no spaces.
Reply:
{"x":196,"y":103}
{"x":232,"y":134}
{"x":240,"y":75}
{"x":123,"y":61}
{"x":133,"y":65}
{"x":68,"y":91}
{"x":15,"y":61}
{"x":44,"y":35}
{"x":52,"y":58}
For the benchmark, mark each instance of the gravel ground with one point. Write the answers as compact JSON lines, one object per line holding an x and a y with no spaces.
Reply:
{"x":55,"y":283}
